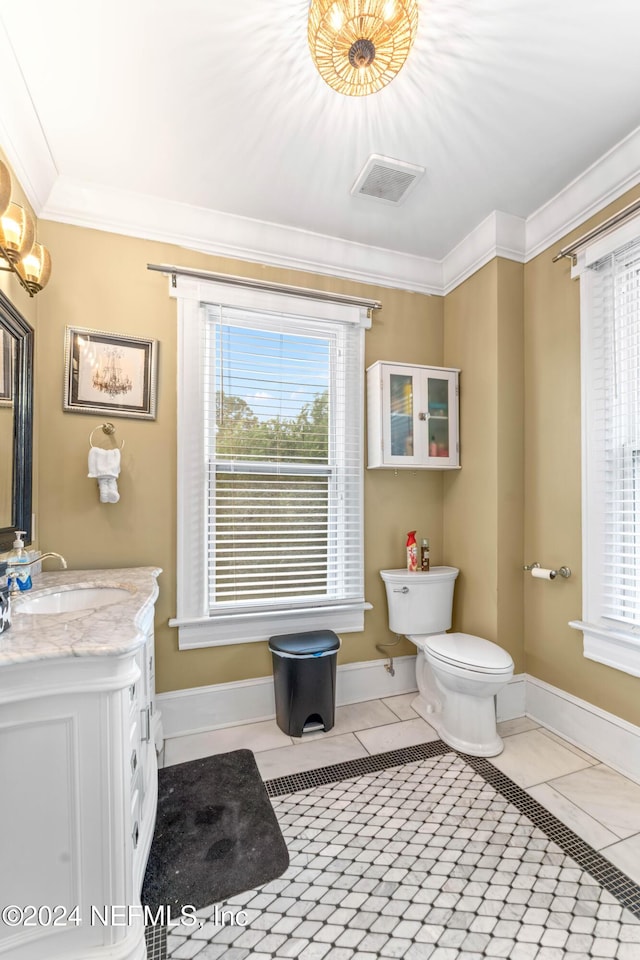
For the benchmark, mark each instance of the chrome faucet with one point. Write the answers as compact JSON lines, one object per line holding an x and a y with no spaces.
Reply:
{"x":14,"y":568}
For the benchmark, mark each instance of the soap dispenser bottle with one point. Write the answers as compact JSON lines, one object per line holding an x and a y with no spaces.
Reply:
{"x":15,"y":558}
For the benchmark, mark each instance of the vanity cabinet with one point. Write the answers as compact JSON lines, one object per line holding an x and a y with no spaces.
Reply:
{"x":142,"y":727}
{"x":78,"y":739}
{"x":412,"y":417}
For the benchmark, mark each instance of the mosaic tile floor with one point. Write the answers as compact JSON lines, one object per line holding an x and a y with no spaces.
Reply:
{"x":432,"y":859}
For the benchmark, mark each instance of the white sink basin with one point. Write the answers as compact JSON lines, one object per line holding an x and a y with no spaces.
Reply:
{"x":79,"y":598}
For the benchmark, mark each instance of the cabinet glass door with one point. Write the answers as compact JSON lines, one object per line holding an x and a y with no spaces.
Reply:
{"x":400,"y":401}
{"x":438,"y":410}
{"x":401,"y":414}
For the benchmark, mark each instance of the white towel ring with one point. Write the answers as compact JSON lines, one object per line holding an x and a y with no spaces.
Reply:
{"x":107,"y":428}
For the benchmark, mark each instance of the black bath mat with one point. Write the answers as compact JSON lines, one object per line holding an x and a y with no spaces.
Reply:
{"x":216,"y":833}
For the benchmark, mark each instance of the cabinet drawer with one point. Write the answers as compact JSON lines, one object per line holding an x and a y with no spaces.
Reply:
{"x":135,"y":820}
{"x":133,"y":747}
{"x":138,"y":691}
{"x":151,"y":662}
{"x":133,"y":696}
{"x":134,"y":760}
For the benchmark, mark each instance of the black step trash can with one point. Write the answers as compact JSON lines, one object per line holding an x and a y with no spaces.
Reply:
{"x":304,"y":676}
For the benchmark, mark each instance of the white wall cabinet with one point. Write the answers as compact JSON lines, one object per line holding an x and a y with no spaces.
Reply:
{"x":78,"y":738}
{"x":413,"y":417}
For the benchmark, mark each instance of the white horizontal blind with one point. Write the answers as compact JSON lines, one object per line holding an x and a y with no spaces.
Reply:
{"x":615,"y":381}
{"x":282,"y":422}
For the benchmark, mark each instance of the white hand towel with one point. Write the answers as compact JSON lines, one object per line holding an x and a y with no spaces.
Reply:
{"x":104,"y":465}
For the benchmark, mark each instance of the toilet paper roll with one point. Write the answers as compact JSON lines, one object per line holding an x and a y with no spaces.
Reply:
{"x":543,"y":574}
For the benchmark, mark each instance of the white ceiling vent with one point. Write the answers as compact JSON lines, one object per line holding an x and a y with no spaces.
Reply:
{"x":385,"y":179}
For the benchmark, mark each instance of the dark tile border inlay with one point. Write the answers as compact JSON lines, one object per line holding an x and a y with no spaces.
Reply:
{"x":280,"y":786}
{"x":156,"y":942}
{"x":625,"y":890}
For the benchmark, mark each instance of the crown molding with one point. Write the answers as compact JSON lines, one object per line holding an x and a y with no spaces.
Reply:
{"x":241,"y":238}
{"x":21,"y":134}
{"x":499,"y":235}
{"x":256,"y":241}
{"x":65,"y":200}
{"x":599,"y":185}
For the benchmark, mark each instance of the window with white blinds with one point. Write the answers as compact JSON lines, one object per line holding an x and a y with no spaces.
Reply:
{"x":616,"y":424}
{"x":270,"y":465}
{"x":611,"y":453}
{"x":284,"y":461}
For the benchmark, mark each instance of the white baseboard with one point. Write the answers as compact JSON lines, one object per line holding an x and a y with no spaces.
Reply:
{"x":216,"y":706}
{"x":368,"y":680}
{"x":249,"y":701}
{"x":603,"y":735}
{"x":510,"y":702}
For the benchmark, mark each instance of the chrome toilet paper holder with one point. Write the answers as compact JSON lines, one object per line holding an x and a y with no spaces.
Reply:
{"x":562,"y":571}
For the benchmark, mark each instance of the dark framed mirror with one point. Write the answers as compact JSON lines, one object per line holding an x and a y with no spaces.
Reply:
{"x":16,"y":423}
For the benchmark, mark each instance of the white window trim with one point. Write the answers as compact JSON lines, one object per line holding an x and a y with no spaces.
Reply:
{"x":196,"y":628}
{"x":616,"y":646}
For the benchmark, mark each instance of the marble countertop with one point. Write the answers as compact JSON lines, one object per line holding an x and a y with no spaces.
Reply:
{"x":97,"y":632}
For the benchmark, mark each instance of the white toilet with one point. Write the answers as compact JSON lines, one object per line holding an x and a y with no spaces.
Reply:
{"x":458,"y":675}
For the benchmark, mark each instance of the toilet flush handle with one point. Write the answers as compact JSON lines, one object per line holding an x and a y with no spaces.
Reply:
{"x":401,"y":589}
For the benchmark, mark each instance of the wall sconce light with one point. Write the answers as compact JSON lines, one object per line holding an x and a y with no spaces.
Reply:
{"x":29,"y":261}
{"x":359,"y":46}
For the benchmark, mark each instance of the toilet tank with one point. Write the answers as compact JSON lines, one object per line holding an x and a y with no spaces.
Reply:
{"x":420,"y":602}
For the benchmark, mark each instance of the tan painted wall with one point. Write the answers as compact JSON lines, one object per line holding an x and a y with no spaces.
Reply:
{"x":100,"y":281}
{"x":482,"y":506}
{"x":476,"y":517}
{"x":470,"y":506}
{"x":553,"y":484}
{"x":510,"y":453}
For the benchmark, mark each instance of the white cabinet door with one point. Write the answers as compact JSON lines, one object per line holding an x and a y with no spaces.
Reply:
{"x":439,"y":415}
{"x":402,"y":439}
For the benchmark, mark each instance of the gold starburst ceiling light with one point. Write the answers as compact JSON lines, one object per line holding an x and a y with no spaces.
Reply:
{"x":359,"y":46}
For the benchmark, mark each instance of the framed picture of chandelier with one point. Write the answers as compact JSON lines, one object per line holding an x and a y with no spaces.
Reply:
{"x":110,"y":373}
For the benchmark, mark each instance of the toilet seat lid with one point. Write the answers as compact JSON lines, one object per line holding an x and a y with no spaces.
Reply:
{"x":468,"y":651}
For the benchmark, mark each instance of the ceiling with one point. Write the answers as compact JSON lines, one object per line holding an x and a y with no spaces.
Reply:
{"x":217,"y":105}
